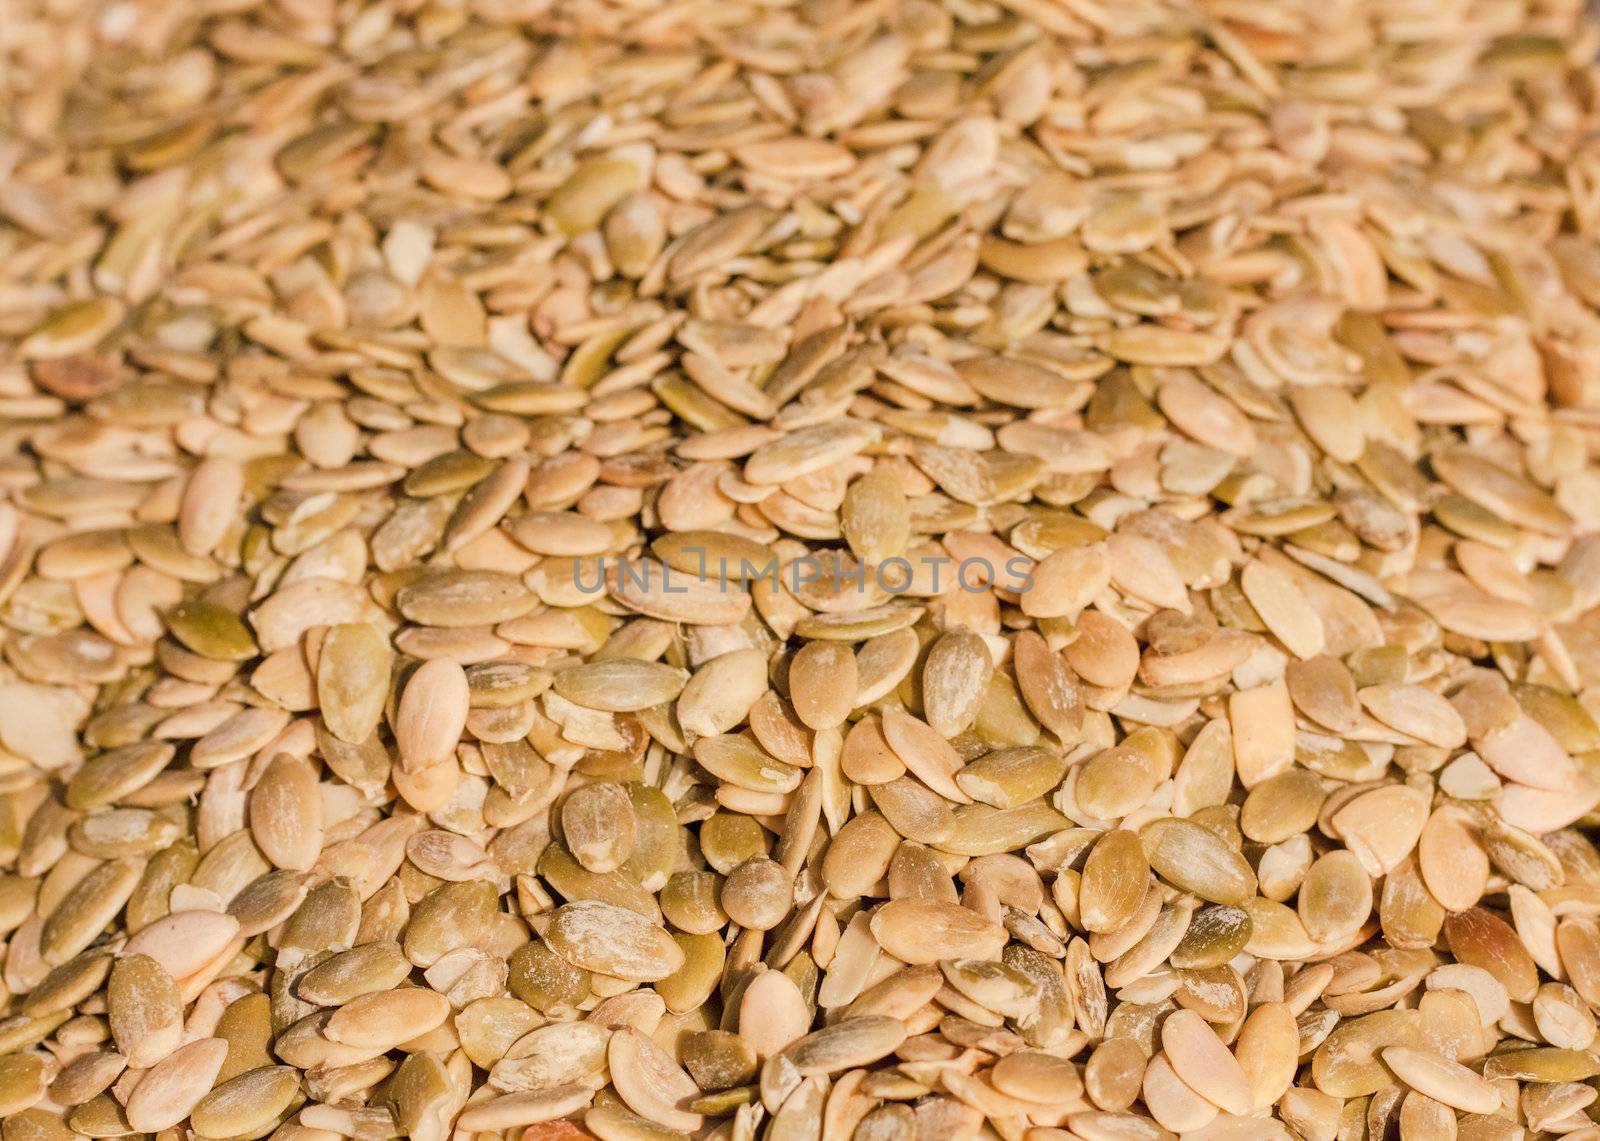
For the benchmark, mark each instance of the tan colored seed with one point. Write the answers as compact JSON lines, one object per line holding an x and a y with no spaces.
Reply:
{"x":530,"y":1108}
{"x":286,"y":813}
{"x":1263,"y":732}
{"x":1204,"y":1063}
{"x":846,"y":1044}
{"x":758,"y":894}
{"x":1171,"y":1101}
{"x":245,"y":1103}
{"x":907,"y":551}
{"x":1202,"y":413}
{"x":612,"y":940}
{"x":210,"y":504}
{"x":1452,"y":860}
{"x":170,"y":1090}
{"x":720,"y":694}
{"x":1382,"y":826}
{"x":431,"y":714}
{"x":143,"y":1009}
{"x":1115,"y":879}
{"x":822,"y":684}
{"x":1268,"y":1049}
{"x":1441,"y":1079}
{"x":1196,"y":859}
{"x":924,"y":752}
{"x":650,"y":1082}
{"x":1335,"y":897}
{"x":1114,"y":1073}
{"x":1416,"y":711}
{"x":1284,"y":608}
{"x":598,"y":822}
{"x":772,"y":1013}
{"x":352,"y":680}
{"x":955,"y":673}
{"x":620,"y":686}
{"x":22,"y":1083}
{"x":924,"y":931}
{"x":383,"y":1020}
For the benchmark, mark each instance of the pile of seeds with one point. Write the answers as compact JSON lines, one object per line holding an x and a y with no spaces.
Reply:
{"x":887,"y":570}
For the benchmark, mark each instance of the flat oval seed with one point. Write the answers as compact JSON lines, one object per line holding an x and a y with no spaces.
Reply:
{"x":772,"y":1013}
{"x":366,"y":969}
{"x":143,"y":1009}
{"x":185,"y":942}
{"x":925,"y":753}
{"x":1441,"y":1079}
{"x":1416,"y":711}
{"x":598,"y":823}
{"x":170,"y":1089}
{"x":114,"y":775}
{"x":383,"y":1020}
{"x":210,"y":503}
{"x":1382,"y":826}
{"x":822,"y":684}
{"x":243,"y":1105}
{"x":518,"y":1109}
{"x":353,"y":680}
{"x":614,"y":941}
{"x":1204,"y":1063}
{"x":1195,"y":859}
{"x":22,"y":1083}
{"x":844,"y":1045}
{"x":286,"y":813}
{"x":432,"y":714}
{"x":925,"y":931}
{"x":1037,"y":1077}
{"x":650,"y":1082}
{"x":620,"y":686}
{"x":1268,"y":1049}
{"x":1336,"y":896}
{"x":1284,"y":608}
{"x":721,"y":692}
{"x":955,"y":673}
{"x":456,"y":598}
{"x":1115,"y":879}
